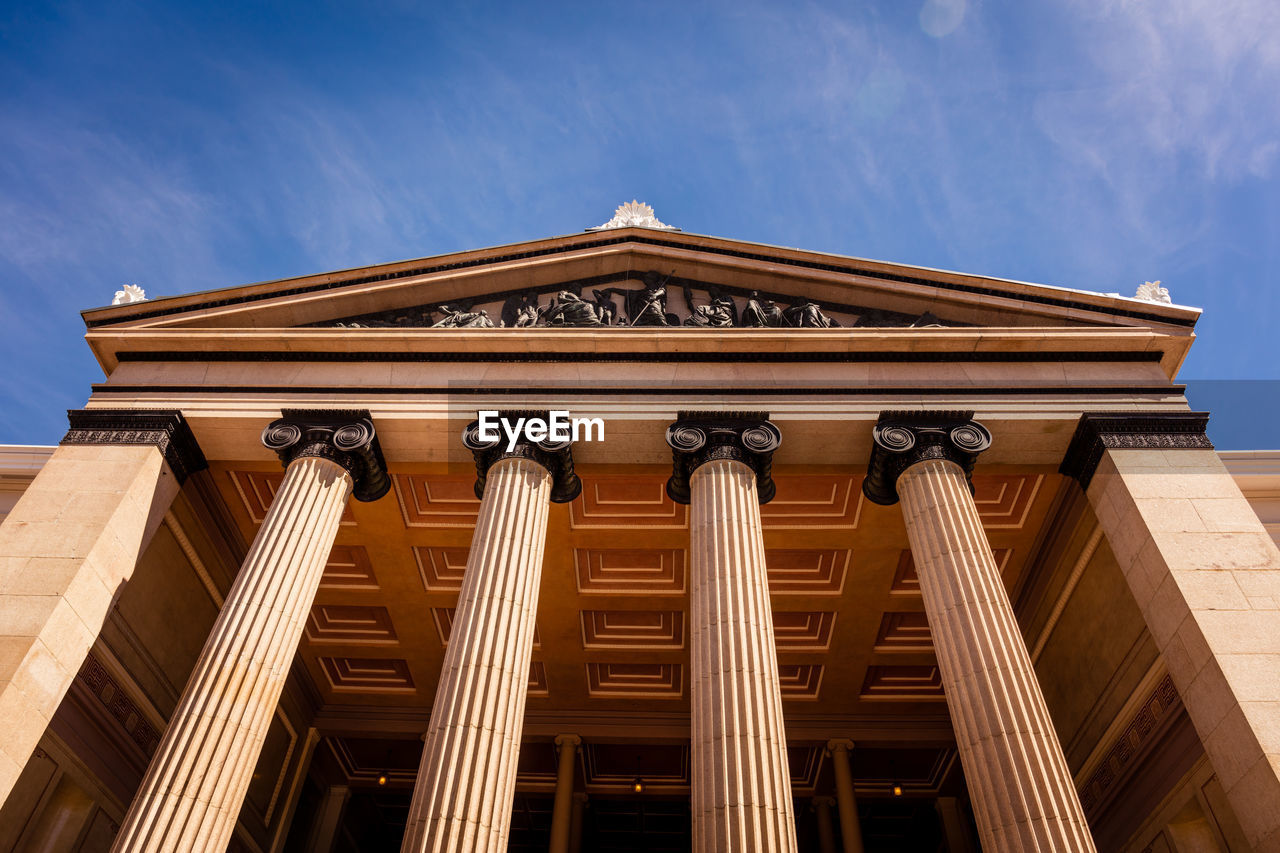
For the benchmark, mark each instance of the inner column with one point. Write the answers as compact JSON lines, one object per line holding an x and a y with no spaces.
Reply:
{"x":741,"y":784}
{"x":465,"y":789}
{"x":1023,"y":795}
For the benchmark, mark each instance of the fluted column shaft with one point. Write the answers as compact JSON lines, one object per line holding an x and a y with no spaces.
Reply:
{"x":1022,"y":792}
{"x":197,"y":780}
{"x":466,"y":781}
{"x":741,"y":785}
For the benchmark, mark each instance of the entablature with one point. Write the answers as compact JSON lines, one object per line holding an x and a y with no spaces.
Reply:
{"x":1031,"y":430}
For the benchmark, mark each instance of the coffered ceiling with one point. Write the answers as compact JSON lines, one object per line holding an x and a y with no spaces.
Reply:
{"x":611,"y":652}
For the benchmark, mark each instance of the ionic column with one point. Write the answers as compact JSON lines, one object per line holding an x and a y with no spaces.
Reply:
{"x":563,"y":806}
{"x":328,"y":818}
{"x":575,"y":822}
{"x":69,"y":545}
{"x":741,"y":785}
{"x":466,"y":781}
{"x":196,"y":782}
{"x":955,"y":829}
{"x":1022,"y":792}
{"x":826,"y":831}
{"x":850,"y":829}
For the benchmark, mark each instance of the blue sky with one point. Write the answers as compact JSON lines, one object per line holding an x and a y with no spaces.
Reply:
{"x":1085,"y":144}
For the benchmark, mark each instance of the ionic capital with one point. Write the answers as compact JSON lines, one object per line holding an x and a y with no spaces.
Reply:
{"x":570,"y":740}
{"x":700,"y":437}
{"x":1098,"y":432}
{"x":838,"y":744}
{"x":901,"y":439}
{"x":345,"y":437}
{"x":555,"y":456}
{"x":164,"y":429}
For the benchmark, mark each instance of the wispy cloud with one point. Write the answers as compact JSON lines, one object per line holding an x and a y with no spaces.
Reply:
{"x":1184,"y":89}
{"x":1081,"y":143}
{"x":88,"y":206}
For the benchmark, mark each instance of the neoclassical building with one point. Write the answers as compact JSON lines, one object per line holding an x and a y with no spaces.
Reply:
{"x":868,"y":557}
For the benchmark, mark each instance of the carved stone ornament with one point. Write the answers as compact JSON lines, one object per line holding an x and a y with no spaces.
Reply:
{"x":648,"y":307}
{"x":901,"y":439}
{"x":1151,"y":291}
{"x":762,"y":312}
{"x":720,"y":313}
{"x":593,"y":302}
{"x":1098,"y":432}
{"x":555,"y":456}
{"x":116,"y":701}
{"x":459,"y":317}
{"x":346,"y":437}
{"x":1146,"y":729}
{"x":164,"y":429}
{"x":568,"y":309}
{"x":699,"y":437}
{"x":634,"y":214}
{"x":128,"y":294}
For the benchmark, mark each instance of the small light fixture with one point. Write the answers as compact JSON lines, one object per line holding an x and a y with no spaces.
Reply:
{"x":637,"y":785}
{"x":897,"y":790}
{"x":386,"y":765}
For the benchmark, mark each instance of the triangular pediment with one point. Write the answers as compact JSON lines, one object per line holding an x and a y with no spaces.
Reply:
{"x":640,"y":276}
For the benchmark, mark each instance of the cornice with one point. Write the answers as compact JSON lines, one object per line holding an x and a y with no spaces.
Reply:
{"x":1098,"y":432}
{"x":1262,"y":466}
{"x":164,"y":429}
{"x":23,"y":461}
{"x":959,"y":283}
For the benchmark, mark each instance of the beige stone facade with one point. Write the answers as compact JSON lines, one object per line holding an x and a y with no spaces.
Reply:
{"x":870,"y":557}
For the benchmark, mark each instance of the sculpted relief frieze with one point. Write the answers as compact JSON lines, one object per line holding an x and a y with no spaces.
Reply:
{"x":653,"y":300}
